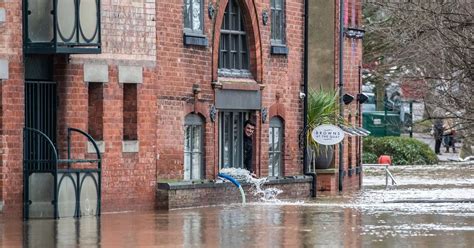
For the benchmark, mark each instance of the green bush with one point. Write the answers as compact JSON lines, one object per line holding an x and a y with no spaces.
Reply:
{"x":403,"y":150}
{"x":369,"y":158}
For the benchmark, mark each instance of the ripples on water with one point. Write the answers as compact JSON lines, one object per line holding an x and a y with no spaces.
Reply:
{"x":416,"y":217}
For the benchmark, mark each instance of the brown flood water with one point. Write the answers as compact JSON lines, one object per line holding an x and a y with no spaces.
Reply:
{"x":406,"y":216}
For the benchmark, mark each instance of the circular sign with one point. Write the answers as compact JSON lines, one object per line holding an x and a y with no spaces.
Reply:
{"x":327,"y":134}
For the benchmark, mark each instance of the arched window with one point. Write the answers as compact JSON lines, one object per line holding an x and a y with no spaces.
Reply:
{"x":275,"y":144}
{"x":193,"y":139}
{"x":233,"y":47}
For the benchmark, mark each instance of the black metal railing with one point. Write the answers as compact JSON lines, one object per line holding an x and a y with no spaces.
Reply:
{"x":40,"y":155}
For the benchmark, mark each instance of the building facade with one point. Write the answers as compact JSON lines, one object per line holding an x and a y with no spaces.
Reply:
{"x":163,"y":87}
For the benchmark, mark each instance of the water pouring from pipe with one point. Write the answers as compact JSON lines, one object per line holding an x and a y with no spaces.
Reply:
{"x":236,"y":183}
{"x":237,"y":174}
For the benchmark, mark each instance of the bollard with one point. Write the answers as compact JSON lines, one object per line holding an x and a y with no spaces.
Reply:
{"x":385,"y":160}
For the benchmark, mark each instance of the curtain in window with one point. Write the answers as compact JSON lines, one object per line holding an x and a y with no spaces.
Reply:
{"x":193,"y":16}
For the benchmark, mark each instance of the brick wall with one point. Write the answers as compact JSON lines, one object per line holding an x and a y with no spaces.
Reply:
{"x":96,"y":111}
{"x":352,"y":59}
{"x":171,"y":196}
{"x":12,"y":108}
{"x":129,"y":112}
{"x":1,"y":146}
{"x":128,"y":32}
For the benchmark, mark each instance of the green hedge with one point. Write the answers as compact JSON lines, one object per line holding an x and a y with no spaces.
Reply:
{"x":403,"y":150}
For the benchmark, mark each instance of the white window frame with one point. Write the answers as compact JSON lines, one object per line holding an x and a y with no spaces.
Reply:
{"x":275,"y":166}
{"x":192,"y":124}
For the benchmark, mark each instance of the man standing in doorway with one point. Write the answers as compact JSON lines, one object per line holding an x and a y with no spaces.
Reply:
{"x":249,"y":129}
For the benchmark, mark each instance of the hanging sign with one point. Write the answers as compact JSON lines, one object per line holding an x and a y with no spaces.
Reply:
{"x":327,"y":134}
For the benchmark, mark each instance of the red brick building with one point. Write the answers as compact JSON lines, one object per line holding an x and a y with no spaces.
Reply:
{"x":163,"y":87}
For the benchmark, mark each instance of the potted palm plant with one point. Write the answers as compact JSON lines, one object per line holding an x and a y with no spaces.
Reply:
{"x":322,"y":109}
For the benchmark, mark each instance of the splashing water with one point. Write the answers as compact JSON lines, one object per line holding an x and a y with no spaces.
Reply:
{"x":265,"y":195}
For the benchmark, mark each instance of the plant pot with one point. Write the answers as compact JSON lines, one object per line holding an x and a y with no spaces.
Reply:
{"x":324,"y":158}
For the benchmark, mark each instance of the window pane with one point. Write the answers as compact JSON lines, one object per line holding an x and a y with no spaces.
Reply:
{"x":234,"y":15}
{"x":278,"y":4}
{"x":227,"y":141}
{"x":273,"y":26}
{"x":276,"y":164}
{"x":270,"y":140}
{"x":187,"y":138}
{"x":196,"y":170}
{"x":236,"y":141}
{"x":277,"y":25}
{"x":276,"y":139}
{"x":225,"y":23}
{"x":187,"y":14}
{"x":66,"y":15}
{"x":197,"y":24}
{"x":223,"y":48}
{"x":197,"y":139}
{"x":88,"y":20}
{"x":187,"y":166}
{"x":244,"y":53}
{"x":270,"y":164}
{"x":40,"y":21}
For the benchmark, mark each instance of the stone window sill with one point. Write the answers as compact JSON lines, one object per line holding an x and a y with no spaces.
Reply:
{"x":129,"y":146}
{"x":228,"y":83}
{"x":326,"y":171}
{"x":279,"y":50}
{"x":235,"y":73}
{"x":192,"y":39}
{"x":100,"y":145}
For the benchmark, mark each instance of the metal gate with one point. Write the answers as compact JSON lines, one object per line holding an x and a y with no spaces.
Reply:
{"x":40,"y":114}
{"x":51,"y":190}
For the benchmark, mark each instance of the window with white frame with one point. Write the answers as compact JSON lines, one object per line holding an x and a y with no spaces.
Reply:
{"x":275,"y":142}
{"x":278,"y":22}
{"x":193,"y":16}
{"x":193,"y":139}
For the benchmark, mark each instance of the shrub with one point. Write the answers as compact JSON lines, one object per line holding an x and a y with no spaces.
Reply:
{"x":369,"y":158}
{"x":403,"y":150}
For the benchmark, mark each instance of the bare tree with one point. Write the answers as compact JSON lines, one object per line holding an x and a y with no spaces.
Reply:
{"x":429,"y":43}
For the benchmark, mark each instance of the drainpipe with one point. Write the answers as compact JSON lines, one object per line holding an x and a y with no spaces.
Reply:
{"x":359,"y":122}
{"x":305,"y":102}
{"x":341,"y":88}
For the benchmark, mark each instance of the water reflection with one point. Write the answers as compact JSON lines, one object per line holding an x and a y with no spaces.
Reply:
{"x":250,"y":226}
{"x":362,"y":219}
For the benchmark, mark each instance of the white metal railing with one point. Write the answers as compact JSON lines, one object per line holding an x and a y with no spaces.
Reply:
{"x":388,"y":174}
